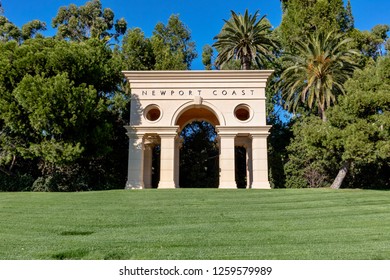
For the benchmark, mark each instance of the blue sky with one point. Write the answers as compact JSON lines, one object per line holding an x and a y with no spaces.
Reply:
{"x":203,"y":17}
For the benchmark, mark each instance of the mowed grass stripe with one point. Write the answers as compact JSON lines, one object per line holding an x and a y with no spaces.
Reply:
{"x":196,"y":224}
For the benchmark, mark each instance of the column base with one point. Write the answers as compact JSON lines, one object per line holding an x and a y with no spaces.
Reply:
{"x":228,"y":185}
{"x":166,"y":185}
{"x":260,"y":185}
{"x":132,"y":185}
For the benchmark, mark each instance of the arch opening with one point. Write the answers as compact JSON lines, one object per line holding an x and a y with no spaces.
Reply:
{"x":199,"y":156}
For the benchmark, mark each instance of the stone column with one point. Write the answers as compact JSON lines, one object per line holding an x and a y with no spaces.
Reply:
{"x":148,"y":157}
{"x":167,"y":164}
{"x":227,"y":176}
{"x":177,"y":161}
{"x":135,"y":170}
{"x":259,"y":162}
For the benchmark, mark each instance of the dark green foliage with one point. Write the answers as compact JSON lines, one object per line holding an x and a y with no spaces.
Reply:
{"x":349,"y":21}
{"x":207,"y":55}
{"x":55,"y":109}
{"x":303,"y":17}
{"x":240,"y":167}
{"x":356,"y":136}
{"x":137,"y":51}
{"x":310,"y":153}
{"x":15,"y":182}
{"x":278,"y":140}
{"x":156,"y":166}
{"x":170,"y":47}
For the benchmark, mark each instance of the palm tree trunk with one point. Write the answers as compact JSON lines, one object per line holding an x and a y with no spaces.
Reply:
{"x":246,"y":63}
{"x":341,"y":175}
{"x":321,"y":112}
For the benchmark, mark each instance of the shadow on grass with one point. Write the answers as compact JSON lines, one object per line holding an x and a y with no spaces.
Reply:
{"x":75,"y":233}
{"x":71,"y":255}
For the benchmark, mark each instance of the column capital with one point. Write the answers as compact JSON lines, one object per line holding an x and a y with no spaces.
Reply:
{"x":152,"y":130}
{"x":133,"y":134}
{"x":168,"y":131}
{"x":226,"y":131}
{"x":243,"y":130}
{"x":151,"y":140}
{"x":262,"y":131}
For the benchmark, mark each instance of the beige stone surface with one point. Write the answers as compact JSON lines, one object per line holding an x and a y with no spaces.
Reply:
{"x":164,"y":102}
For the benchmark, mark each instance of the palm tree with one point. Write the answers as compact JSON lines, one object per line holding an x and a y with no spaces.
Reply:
{"x":319,"y":68}
{"x":245,"y":38}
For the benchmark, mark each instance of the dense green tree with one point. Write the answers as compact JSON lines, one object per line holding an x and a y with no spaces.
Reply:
{"x":319,"y":68}
{"x":246,"y":38}
{"x":303,"y":17}
{"x":207,"y":55}
{"x":137,"y":51}
{"x":278,"y":140}
{"x":349,"y":21}
{"x":30,"y":29}
{"x":55,"y":99}
{"x":363,"y":118}
{"x":8,"y":30}
{"x":372,"y":44}
{"x":310,"y":161}
{"x":354,"y":140}
{"x":88,"y":21}
{"x":169,"y":48}
{"x":319,"y":151}
{"x":172,"y":45}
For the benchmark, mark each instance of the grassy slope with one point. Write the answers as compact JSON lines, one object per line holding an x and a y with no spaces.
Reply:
{"x":196,"y":224}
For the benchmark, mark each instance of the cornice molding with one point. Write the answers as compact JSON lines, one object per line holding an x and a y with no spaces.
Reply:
{"x":230,"y":76}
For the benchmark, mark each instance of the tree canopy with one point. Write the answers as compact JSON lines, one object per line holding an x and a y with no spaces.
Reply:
{"x":169,"y":48}
{"x":88,"y":21}
{"x":303,"y":17}
{"x":245,"y":38}
{"x":54,"y":102}
{"x":319,"y":68}
{"x":355,"y":139}
{"x":64,"y":102}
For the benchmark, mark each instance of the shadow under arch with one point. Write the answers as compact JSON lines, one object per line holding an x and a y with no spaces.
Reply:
{"x":191,"y":111}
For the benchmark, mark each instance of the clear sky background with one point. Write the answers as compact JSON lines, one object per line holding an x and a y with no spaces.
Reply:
{"x":203,"y":17}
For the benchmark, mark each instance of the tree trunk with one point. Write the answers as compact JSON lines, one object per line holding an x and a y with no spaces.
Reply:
{"x":341,"y":175}
{"x":321,"y":111}
{"x":246,"y":63}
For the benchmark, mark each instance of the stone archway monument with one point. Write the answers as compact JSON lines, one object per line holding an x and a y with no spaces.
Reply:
{"x":163,"y":102}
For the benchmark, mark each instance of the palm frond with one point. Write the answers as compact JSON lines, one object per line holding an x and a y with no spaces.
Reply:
{"x":320,"y":65}
{"x":247,"y":37}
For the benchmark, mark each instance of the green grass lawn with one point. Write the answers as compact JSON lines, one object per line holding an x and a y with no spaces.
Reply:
{"x":196,"y":224}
